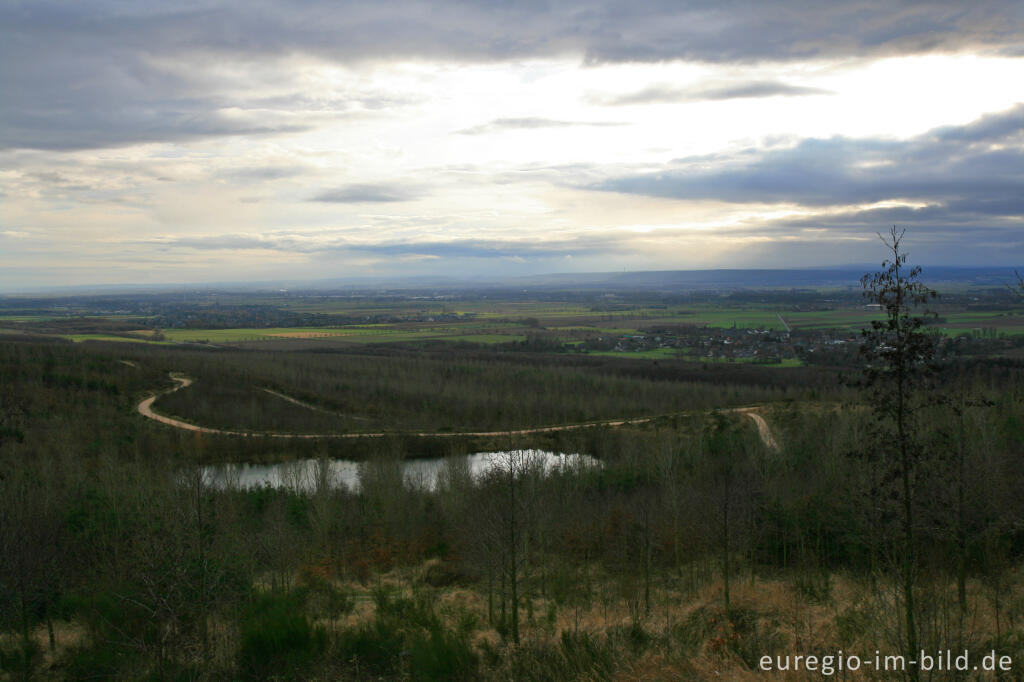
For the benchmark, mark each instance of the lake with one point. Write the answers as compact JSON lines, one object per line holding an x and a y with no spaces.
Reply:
{"x":302,"y":475}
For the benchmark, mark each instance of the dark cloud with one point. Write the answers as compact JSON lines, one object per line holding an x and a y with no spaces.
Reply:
{"x":360,"y":193}
{"x":87,"y":125}
{"x":499,"y":124}
{"x":604,"y":30}
{"x":260,"y":173}
{"x":971,"y":170}
{"x":668,"y":94}
{"x":108,"y":72}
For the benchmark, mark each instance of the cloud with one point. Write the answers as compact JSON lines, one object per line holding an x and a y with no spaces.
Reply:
{"x":500,"y":124}
{"x":229,"y":242}
{"x":108,"y":73}
{"x":779,"y":243}
{"x":88,"y":125}
{"x":971,"y":170}
{"x":669,"y":94}
{"x":604,"y":30}
{"x":317,"y":243}
{"x":483,"y":248}
{"x":268,"y":172}
{"x":360,"y":193}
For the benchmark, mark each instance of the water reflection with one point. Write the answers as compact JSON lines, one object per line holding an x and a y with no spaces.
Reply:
{"x":305,"y":475}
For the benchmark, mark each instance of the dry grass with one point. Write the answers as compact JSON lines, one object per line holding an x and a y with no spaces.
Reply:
{"x":782,"y":614}
{"x":66,"y":635}
{"x":689,"y":636}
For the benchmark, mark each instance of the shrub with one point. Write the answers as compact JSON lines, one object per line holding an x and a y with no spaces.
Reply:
{"x":815,"y":586}
{"x":326,"y":600}
{"x":753,"y":635}
{"x":577,"y":655}
{"x":633,"y":636}
{"x":586,"y":655}
{"x":698,"y":627}
{"x":19,"y":658}
{"x":277,"y":637}
{"x":414,"y":611}
{"x":442,"y":655}
{"x":372,"y":648}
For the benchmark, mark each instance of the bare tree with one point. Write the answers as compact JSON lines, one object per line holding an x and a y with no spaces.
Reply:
{"x":729,"y":478}
{"x":503,"y":515}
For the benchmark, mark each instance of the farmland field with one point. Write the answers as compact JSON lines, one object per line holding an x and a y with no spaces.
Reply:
{"x":570,"y":324}
{"x":107,"y":337}
{"x":605,"y":325}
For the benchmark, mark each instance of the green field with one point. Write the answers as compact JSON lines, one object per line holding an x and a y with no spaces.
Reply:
{"x":1003,"y":322}
{"x":591,"y":330}
{"x":110,"y":337}
{"x":256,"y":334}
{"x":769,"y":319}
{"x":360,"y":334}
{"x":25,"y":318}
{"x":653,"y":354}
{"x":486,"y":338}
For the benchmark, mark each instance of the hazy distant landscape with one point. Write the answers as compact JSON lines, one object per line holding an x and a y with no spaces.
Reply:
{"x":768,"y":316}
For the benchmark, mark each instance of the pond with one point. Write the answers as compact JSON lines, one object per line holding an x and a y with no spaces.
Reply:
{"x":303,"y":475}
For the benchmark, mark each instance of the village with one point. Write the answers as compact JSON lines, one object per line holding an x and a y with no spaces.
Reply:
{"x":835,"y":347}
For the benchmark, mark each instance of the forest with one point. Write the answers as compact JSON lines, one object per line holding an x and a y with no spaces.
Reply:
{"x":885,"y":515}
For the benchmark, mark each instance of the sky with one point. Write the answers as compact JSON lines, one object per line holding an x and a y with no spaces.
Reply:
{"x":229,"y":140}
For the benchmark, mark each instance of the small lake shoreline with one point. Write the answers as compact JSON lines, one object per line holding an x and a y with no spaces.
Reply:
{"x":306,"y":475}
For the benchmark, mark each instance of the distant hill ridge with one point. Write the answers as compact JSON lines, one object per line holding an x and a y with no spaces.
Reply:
{"x":666,"y":280}
{"x":754,"y":278}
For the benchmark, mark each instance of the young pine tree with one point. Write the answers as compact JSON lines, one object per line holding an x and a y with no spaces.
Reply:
{"x":899,"y":356}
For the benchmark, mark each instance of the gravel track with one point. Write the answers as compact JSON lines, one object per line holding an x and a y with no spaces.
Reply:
{"x":145,"y":408}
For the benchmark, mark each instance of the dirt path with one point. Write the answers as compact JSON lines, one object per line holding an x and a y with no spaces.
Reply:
{"x":145,"y":408}
{"x":308,"y":406}
{"x":762,"y":426}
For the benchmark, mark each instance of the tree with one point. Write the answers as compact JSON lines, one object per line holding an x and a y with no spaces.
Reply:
{"x":503,"y":518}
{"x":30,"y":535}
{"x":899,"y":355}
{"x":732,"y":484}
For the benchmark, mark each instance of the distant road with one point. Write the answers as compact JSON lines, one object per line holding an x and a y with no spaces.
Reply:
{"x":784,"y":324}
{"x":145,"y":408}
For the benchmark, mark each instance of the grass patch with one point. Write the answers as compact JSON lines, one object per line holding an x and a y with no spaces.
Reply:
{"x":77,"y":338}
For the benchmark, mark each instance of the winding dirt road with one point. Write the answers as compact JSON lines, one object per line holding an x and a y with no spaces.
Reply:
{"x":145,"y":408}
